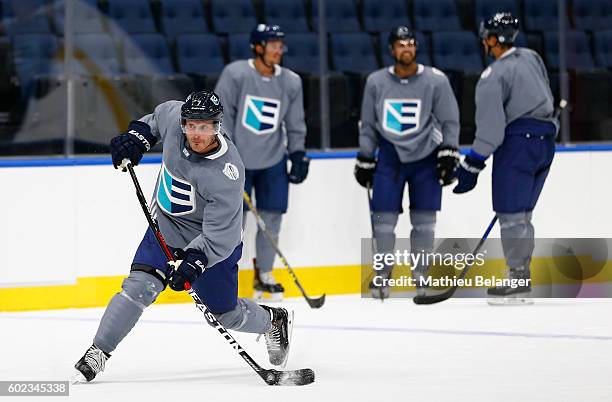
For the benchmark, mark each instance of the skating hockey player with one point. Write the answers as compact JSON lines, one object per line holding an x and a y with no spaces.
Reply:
{"x":515,"y":123}
{"x":198,"y":205}
{"x":410,"y":114}
{"x":265,"y":118}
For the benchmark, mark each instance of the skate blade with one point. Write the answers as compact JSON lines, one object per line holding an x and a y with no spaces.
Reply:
{"x":77,"y":378}
{"x":510,"y":301}
{"x":289,"y":333}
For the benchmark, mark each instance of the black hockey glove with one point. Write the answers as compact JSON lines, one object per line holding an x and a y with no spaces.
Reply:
{"x":299,"y":167}
{"x":448,"y":159}
{"x":364,"y":170}
{"x":187,"y":270}
{"x":467,"y":173}
{"x":132,"y":144}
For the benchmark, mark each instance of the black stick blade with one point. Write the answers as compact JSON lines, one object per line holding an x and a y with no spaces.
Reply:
{"x":316,"y":303}
{"x":433,"y":299}
{"x":288,"y":378}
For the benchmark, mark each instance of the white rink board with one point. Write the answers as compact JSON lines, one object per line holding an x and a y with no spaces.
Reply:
{"x":85,"y":221}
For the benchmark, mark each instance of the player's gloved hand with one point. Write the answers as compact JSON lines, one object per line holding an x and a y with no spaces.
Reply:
{"x":467,"y":173}
{"x":364,"y":170}
{"x":132,"y":144}
{"x":187,"y":270}
{"x":299,"y":167}
{"x":448,"y":159}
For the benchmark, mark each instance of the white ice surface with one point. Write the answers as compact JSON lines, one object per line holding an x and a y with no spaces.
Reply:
{"x":360,"y":350}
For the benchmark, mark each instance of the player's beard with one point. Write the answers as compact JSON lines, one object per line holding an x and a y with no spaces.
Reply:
{"x":406,"y":59}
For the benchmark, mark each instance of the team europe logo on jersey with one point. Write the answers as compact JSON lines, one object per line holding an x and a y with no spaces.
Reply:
{"x":260,"y":115}
{"x":401,"y":116}
{"x":175,"y":196}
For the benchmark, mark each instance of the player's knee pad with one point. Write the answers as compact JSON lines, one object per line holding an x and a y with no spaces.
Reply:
{"x":384,"y":229}
{"x":517,"y":239}
{"x":272,"y":220}
{"x":515,"y":224}
{"x":141,"y":288}
{"x":247,"y":316}
{"x":423,"y":220}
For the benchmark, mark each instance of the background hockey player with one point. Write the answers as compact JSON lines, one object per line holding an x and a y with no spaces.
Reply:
{"x":515,"y":123}
{"x":265,"y":117}
{"x":198,"y":205}
{"x":409,"y":112}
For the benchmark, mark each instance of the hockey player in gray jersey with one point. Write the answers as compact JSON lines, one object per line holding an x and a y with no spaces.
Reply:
{"x":198,"y":205}
{"x":410,"y":114}
{"x":515,"y":123}
{"x":265,"y":118}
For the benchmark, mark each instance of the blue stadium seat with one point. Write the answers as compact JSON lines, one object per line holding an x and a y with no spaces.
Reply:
{"x":353,"y":53}
{"x":87,"y":17}
{"x":131,"y":16}
{"x":540,"y":15}
{"x":436,"y":15}
{"x":147,"y":54}
{"x":577,"y":51}
{"x":592,"y":15}
{"x":302,"y":53}
{"x":101,"y":54}
{"x":199,"y":54}
{"x":484,"y":9}
{"x":148,"y":57}
{"x":35,"y":55}
{"x":603,"y":48}
{"x":233,"y":16}
{"x":182,"y":17}
{"x":239,"y":47}
{"x":25,"y":16}
{"x":289,"y":14}
{"x":423,"y":51}
{"x":457,"y":51}
{"x":341,"y":16}
{"x":382,"y":19}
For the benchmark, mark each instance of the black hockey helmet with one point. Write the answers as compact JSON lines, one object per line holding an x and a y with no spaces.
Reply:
{"x":401,"y":32}
{"x":264,"y":33}
{"x":503,"y":25}
{"x":202,"y":105}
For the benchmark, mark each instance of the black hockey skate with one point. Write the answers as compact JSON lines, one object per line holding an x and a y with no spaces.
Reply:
{"x":278,"y":338}
{"x":91,"y":364}
{"x":507,"y":295}
{"x":264,"y":282}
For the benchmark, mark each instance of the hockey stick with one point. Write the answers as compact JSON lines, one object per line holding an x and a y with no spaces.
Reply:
{"x":447,"y":294}
{"x":270,"y":376}
{"x":373,"y":242}
{"x":314,"y":303}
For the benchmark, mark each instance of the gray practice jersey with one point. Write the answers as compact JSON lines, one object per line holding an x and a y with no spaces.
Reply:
{"x":198,"y":198}
{"x":264,"y":116}
{"x":515,"y":85}
{"x":415,"y":114}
